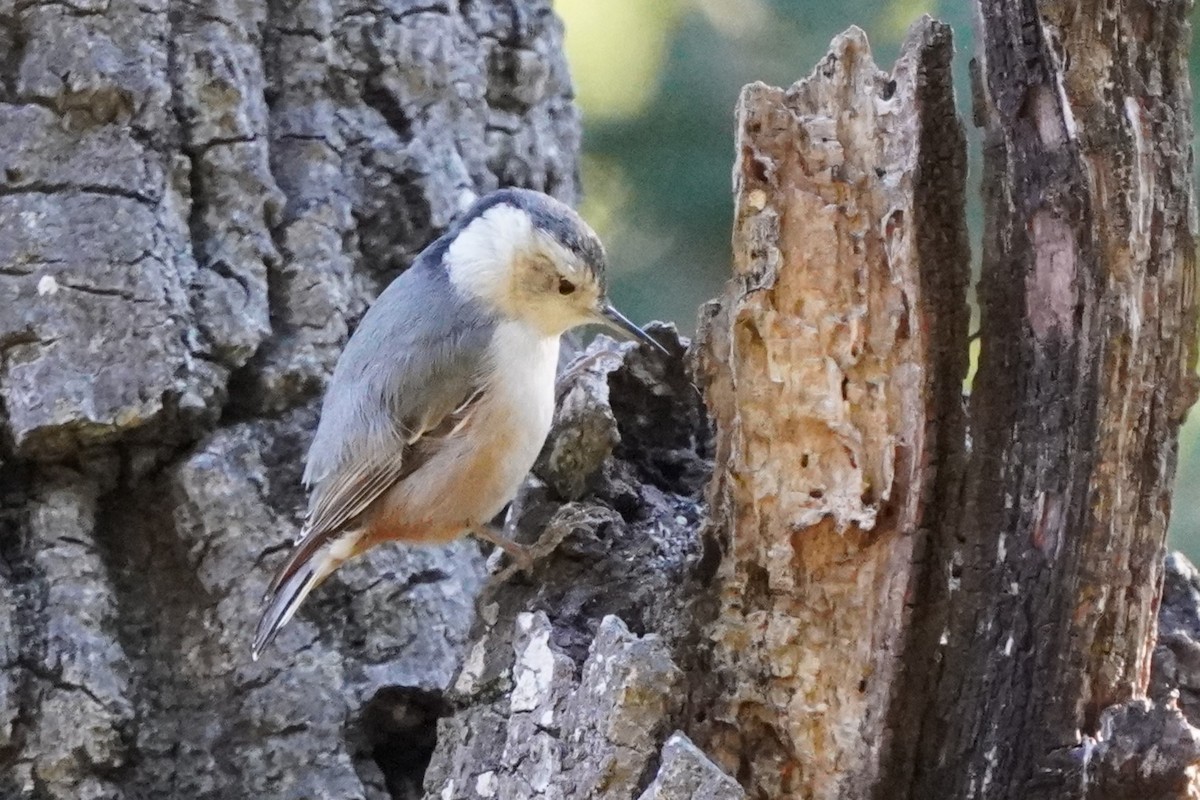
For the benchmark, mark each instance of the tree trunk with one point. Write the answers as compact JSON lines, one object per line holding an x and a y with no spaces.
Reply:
{"x":836,"y":360}
{"x":196,"y":201}
{"x":1047,"y":586}
{"x":907,"y":611}
{"x":837,"y":580}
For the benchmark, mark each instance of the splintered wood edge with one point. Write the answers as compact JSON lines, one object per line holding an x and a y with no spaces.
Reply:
{"x":817,"y":364}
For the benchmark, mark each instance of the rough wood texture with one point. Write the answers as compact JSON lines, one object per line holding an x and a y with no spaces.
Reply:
{"x":835,"y":361}
{"x":1047,"y":588}
{"x":686,"y":773}
{"x":1175,"y":667}
{"x":576,"y":676}
{"x":196,"y":202}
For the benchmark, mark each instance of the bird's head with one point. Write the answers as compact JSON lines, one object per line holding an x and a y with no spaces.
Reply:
{"x":527,"y":256}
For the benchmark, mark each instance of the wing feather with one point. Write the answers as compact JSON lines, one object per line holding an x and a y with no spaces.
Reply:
{"x":355,"y":489}
{"x":410,"y":375}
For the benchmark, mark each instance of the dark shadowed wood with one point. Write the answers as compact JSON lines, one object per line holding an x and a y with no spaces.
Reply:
{"x":1048,"y":587}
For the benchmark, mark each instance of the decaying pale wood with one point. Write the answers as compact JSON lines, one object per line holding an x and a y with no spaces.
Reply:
{"x":834,"y":362}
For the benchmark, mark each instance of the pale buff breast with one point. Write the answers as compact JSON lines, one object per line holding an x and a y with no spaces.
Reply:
{"x":469,"y":480}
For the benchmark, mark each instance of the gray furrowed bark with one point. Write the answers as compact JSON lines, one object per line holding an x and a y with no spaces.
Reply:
{"x":576,"y":675}
{"x":197,"y":201}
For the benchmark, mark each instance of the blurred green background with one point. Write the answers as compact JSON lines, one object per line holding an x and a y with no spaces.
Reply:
{"x":657,"y":81}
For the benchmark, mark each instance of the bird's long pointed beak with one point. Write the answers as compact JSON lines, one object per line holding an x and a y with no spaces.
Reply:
{"x":610,"y":317}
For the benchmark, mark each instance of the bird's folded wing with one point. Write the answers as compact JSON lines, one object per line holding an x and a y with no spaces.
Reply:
{"x":351,"y":490}
{"x":411,"y":373}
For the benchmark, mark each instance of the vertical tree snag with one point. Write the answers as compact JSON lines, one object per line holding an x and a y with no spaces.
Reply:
{"x":834,"y":363}
{"x":1049,"y":584}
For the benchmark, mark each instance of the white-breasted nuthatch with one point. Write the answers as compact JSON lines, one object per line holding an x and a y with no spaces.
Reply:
{"x":443,"y":397}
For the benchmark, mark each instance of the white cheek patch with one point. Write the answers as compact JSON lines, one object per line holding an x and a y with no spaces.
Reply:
{"x":480,"y":258}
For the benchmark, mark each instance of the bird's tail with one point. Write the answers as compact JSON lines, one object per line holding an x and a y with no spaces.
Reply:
{"x":304,"y":571}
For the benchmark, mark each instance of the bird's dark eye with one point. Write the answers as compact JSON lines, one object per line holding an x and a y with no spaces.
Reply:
{"x":565,"y":286}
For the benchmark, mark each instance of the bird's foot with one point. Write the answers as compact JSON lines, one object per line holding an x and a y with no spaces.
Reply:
{"x":520,"y":555}
{"x":522,"y":558}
